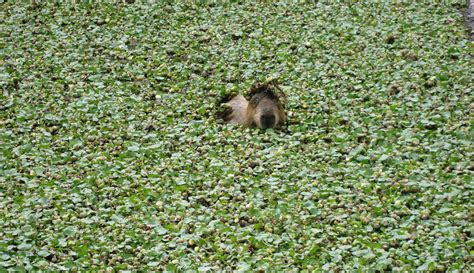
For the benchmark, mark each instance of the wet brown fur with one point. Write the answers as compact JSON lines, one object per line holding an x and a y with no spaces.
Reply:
{"x":264,"y":101}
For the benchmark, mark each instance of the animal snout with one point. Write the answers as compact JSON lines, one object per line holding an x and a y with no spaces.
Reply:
{"x":267,"y":121}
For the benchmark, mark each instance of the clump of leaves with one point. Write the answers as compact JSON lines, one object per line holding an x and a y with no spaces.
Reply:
{"x":271,"y":88}
{"x":223,"y":110}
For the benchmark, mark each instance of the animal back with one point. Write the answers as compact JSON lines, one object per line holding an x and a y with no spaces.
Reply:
{"x":239,"y":110}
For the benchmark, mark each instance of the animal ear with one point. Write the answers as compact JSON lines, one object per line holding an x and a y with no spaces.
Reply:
{"x":278,"y":92}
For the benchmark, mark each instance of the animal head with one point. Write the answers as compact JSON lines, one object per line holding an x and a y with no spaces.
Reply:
{"x":265,"y":109}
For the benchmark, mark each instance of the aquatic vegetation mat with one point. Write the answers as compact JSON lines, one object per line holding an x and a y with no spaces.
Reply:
{"x":111,"y":155}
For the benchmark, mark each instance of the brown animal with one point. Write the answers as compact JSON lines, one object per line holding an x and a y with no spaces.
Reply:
{"x":263,"y":110}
